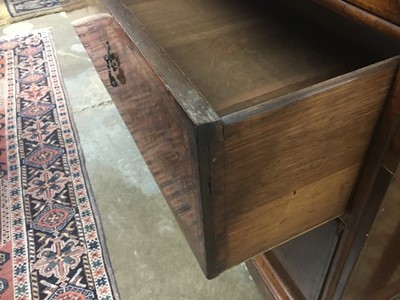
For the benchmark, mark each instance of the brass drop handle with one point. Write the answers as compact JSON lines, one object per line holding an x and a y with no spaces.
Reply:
{"x":112,"y":79}
{"x":112,"y":64}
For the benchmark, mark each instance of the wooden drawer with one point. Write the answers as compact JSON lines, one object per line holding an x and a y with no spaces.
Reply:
{"x":387,"y":9}
{"x":254,"y":128}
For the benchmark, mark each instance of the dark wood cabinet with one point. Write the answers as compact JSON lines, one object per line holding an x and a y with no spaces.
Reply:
{"x":259,"y":124}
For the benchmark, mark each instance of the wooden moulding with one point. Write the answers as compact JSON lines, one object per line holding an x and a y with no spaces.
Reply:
{"x":366,"y":17}
{"x":386,"y":9}
{"x":247,"y":182}
{"x":272,"y":279}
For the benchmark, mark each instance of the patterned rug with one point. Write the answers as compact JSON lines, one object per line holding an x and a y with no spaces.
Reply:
{"x":51,"y":242}
{"x":17,"y":10}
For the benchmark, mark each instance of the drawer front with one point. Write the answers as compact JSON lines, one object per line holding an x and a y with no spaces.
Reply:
{"x":386,"y":9}
{"x":167,"y":138}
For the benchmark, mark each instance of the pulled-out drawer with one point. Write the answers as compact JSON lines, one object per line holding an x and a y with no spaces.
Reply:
{"x":253,"y":120}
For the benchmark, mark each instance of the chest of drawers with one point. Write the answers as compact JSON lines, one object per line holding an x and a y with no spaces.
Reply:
{"x":254,"y":120}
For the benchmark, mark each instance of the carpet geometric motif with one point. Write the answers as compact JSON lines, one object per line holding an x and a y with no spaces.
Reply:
{"x":53,"y":218}
{"x":3,"y":285}
{"x":43,"y":156}
{"x":4,"y":257}
{"x":51,"y":244}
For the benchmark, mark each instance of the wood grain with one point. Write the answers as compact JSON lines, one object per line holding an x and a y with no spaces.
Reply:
{"x":183,"y":91}
{"x":293,"y":166}
{"x":265,"y":174}
{"x":387,"y":9}
{"x":258,"y":279}
{"x":268,"y":269}
{"x":360,"y":15}
{"x":376,"y":273}
{"x":307,"y":258}
{"x":242,"y":53}
{"x":175,"y":150}
{"x":371,"y":188}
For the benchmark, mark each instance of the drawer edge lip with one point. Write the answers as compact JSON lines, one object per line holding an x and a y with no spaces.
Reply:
{"x":284,"y":100}
{"x":210,"y":161}
{"x":198,"y":109}
{"x":362,"y":16}
{"x":377,"y":13}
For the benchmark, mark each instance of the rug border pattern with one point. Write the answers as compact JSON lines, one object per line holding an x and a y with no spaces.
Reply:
{"x":80,"y":181}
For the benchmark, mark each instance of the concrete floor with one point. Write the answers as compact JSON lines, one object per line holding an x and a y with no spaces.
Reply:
{"x":149,"y":254}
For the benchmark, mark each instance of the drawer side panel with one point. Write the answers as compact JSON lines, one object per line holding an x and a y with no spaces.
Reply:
{"x":292,"y":167}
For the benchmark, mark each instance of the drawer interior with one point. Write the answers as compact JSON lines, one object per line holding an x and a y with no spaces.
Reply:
{"x":239,"y":53}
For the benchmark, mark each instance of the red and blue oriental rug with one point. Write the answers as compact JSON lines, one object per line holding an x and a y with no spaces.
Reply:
{"x":51,"y":244}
